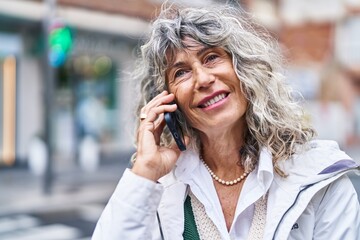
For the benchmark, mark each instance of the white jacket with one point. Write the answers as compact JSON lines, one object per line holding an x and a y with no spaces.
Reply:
{"x":315,"y":201}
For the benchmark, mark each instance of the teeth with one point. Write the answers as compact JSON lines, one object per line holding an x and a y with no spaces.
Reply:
{"x":214,"y":100}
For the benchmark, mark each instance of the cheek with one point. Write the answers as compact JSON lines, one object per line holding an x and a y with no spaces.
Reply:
{"x":182,"y":94}
{"x":242,"y":98}
{"x":193,"y":121}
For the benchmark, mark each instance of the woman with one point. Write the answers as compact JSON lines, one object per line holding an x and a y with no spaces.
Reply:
{"x":251,"y":170}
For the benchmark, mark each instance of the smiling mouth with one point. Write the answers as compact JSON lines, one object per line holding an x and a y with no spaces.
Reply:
{"x":214,"y":100}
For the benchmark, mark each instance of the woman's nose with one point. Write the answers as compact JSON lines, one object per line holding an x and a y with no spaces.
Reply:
{"x":203,"y":77}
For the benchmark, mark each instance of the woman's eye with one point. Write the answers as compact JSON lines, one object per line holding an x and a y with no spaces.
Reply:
{"x":179,"y":73}
{"x":211,"y":58}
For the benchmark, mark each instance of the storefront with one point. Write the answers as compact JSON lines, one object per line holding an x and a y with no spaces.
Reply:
{"x":92,"y":95}
{"x":9,"y":49}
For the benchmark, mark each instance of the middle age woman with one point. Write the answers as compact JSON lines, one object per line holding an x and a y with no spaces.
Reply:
{"x":250,"y":170}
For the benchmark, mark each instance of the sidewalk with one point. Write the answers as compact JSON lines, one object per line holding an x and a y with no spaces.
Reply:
{"x":21,"y":191}
{"x":70,"y":212}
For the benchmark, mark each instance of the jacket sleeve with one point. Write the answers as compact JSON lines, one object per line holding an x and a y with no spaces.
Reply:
{"x":131,"y":210}
{"x":338,"y":213}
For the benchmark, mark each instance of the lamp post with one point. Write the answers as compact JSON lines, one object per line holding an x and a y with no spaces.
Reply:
{"x":48,"y":93}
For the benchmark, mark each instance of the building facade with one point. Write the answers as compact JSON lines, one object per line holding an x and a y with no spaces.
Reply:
{"x":92,"y":96}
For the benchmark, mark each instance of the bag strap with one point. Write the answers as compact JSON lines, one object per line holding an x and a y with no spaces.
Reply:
{"x":190,"y":229}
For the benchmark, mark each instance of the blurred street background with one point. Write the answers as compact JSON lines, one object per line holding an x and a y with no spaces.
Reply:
{"x":66,"y":102}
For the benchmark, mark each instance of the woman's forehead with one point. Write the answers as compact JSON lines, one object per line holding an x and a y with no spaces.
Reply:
{"x":188,"y":44}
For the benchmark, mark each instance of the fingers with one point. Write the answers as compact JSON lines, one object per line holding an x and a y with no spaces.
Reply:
{"x":159,"y":125}
{"x":152,"y":118}
{"x":157,"y":106}
{"x":155,"y":112}
{"x":160,"y":99}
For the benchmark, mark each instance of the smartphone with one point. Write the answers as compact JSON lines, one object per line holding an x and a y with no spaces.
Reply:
{"x":174,"y":127}
{"x":171,"y":120}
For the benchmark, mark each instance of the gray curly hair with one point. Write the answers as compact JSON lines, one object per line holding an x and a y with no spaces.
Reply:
{"x":274,"y":119}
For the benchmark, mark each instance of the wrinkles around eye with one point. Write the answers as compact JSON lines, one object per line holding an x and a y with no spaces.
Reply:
{"x":180,"y":76}
{"x":179,"y":73}
{"x":211,"y":58}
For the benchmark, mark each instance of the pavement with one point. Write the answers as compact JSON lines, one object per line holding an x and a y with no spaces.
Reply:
{"x":72,"y":209}
{"x":69,"y":212}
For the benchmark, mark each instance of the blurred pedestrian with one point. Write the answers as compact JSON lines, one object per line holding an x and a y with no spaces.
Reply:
{"x":251,"y":169}
{"x":353,"y":75}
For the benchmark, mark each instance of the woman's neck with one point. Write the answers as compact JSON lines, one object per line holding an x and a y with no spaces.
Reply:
{"x":221,"y":151}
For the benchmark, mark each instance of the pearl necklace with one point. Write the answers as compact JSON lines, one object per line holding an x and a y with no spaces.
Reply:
{"x":227,"y":183}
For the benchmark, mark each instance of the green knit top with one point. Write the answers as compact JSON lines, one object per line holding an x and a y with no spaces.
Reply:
{"x":190,"y":229}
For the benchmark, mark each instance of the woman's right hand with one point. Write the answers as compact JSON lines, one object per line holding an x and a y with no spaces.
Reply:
{"x":152,"y":160}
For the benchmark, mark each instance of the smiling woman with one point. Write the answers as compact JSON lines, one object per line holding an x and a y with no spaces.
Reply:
{"x":249,"y":148}
{"x":207,"y":89}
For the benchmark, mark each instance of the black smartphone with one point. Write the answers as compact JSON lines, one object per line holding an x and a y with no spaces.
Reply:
{"x":171,"y":120}
{"x":174,"y":127}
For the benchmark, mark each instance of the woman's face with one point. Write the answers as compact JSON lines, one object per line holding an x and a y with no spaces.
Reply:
{"x":206,"y":88}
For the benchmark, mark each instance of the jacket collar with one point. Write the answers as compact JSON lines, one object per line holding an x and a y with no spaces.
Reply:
{"x":316,"y":161}
{"x":339,"y":166}
{"x":265,"y":173}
